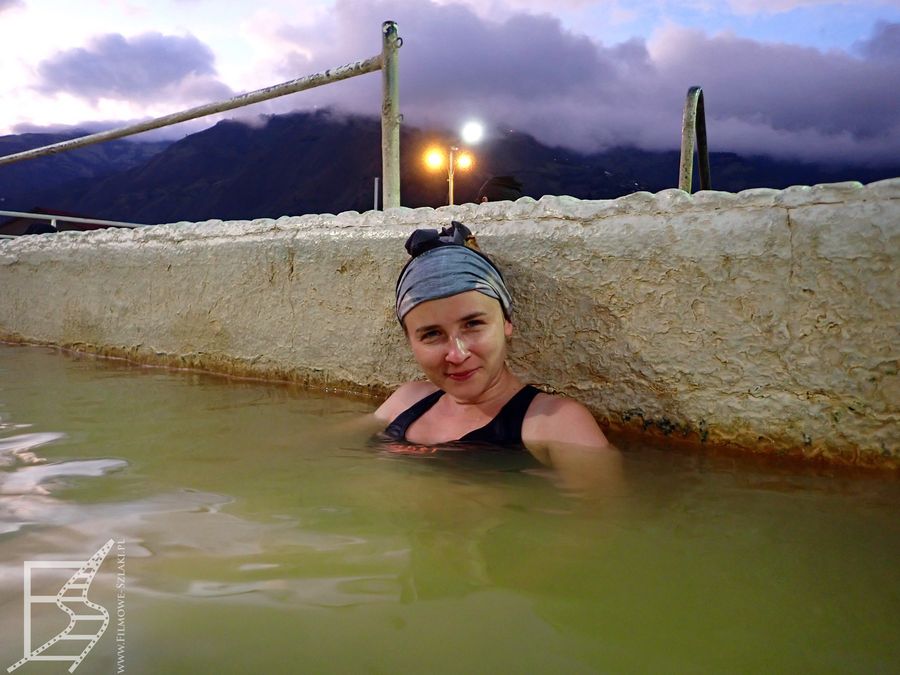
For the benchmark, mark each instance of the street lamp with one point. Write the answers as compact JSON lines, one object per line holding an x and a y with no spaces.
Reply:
{"x":458,"y":159}
{"x":435,"y":158}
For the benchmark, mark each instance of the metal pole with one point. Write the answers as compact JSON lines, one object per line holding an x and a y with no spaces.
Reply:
{"x":702,"y":150}
{"x":301,"y":84}
{"x":688,"y":129}
{"x":450,"y":168}
{"x":693,"y":134}
{"x":375,"y":195}
{"x":390,"y":115}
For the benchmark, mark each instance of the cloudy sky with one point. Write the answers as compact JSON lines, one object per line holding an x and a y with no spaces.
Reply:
{"x":810,"y":79}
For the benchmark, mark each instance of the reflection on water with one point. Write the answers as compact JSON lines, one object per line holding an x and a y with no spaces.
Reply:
{"x":264,"y":534}
{"x":18,"y":448}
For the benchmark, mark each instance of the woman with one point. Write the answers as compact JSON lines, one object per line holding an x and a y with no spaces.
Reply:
{"x":455,"y":310}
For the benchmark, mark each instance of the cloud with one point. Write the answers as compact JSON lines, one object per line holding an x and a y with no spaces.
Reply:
{"x":776,"y":6}
{"x":749,"y":7}
{"x":527,"y":72}
{"x":95,"y":126}
{"x":10,"y":4}
{"x":884,"y":45}
{"x":502,"y":8}
{"x":145,"y":68}
{"x":784,"y":87}
{"x":452,"y":60}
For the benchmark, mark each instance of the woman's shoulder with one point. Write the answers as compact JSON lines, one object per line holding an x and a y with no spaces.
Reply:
{"x":547,"y":404}
{"x":553,"y":419}
{"x":403,"y":397}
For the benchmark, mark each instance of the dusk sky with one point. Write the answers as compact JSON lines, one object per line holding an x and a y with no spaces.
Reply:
{"x":808,"y":79}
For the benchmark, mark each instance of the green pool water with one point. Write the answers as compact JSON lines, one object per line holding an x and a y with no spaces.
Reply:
{"x":259,"y":532}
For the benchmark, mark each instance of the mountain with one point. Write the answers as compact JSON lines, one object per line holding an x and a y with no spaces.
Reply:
{"x":23,"y":184}
{"x":323,"y":162}
{"x":311,"y":163}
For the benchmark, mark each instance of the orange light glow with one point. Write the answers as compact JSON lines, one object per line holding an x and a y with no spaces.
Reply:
{"x":464,"y":161}
{"x":434,"y":159}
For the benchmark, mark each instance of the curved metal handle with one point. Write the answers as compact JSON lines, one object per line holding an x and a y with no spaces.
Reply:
{"x":693,"y":133}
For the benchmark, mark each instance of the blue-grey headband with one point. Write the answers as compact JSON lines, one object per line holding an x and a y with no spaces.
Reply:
{"x":448,"y":270}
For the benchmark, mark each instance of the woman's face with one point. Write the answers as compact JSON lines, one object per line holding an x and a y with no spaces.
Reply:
{"x":459,"y":342}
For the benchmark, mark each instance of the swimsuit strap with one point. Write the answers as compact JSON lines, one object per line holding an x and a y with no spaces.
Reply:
{"x":397,"y":428}
{"x":504,"y":429}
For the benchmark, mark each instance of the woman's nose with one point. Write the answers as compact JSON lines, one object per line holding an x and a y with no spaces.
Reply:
{"x":457,"y":351}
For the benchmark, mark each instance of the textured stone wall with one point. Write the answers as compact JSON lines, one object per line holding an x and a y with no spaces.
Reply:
{"x":765,"y":319}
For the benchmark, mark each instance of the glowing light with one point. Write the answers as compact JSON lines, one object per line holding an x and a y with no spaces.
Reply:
{"x":464,"y":161}
{"x":472,"y":132}
{"x":434,"y":159}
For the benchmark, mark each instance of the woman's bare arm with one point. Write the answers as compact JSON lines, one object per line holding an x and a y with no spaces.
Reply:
{"x":561,"y":433}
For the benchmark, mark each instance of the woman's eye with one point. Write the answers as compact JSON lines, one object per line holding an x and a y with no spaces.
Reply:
{"x":430,"y":336}
{"x":474,"y":323}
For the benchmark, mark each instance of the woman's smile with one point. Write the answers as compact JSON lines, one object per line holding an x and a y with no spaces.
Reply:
{"x":462,"y":376}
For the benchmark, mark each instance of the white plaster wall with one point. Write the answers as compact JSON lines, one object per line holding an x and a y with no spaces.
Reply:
{"x":766,"y":319}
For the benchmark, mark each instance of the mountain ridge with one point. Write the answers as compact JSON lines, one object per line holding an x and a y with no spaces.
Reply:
{"x":324,"y":162}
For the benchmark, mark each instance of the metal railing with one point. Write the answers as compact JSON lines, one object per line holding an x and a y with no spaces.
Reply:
{"x":390,"y":117}
{"x":693,"y":133}
{"x":52,"y":217}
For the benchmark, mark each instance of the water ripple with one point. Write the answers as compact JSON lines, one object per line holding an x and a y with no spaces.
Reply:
{"x":17,"y":449}
{"x":32,"y":479}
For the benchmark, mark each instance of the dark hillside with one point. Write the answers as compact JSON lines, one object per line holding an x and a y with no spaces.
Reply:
{"x":23,"y":184}
{"x":326,"y":163}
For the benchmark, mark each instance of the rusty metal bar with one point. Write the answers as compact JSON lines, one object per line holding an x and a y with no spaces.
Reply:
{"x":390,"y":116}
{"x":693,"y":134}
{"x":291,"y":87}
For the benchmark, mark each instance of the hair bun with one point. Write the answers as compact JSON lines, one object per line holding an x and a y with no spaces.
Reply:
{"x":455,"y":235}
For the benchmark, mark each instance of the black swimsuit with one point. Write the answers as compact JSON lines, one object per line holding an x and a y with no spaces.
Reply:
{"x":504,"y":429}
